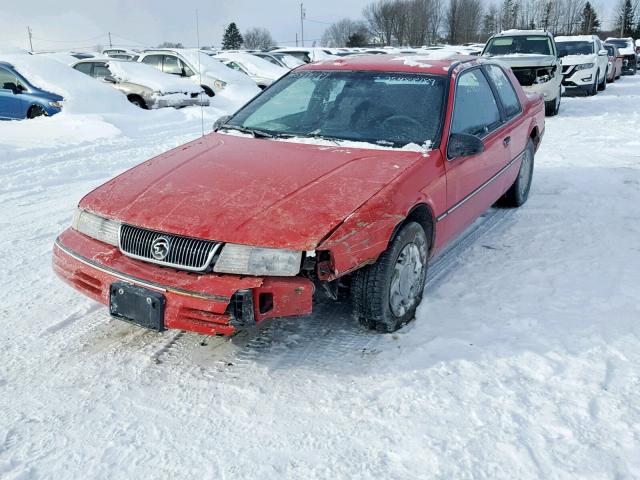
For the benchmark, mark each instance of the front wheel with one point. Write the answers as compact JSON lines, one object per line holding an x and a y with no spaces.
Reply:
{"x":603,"y":86}
{"x":36,"y":111}
{"x":385,"y":295}
{"x":518,"y":193}
{"x":552,"y":108}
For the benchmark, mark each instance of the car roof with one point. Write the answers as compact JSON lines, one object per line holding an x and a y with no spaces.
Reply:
{"x":392,"y":63}
{"x":513,"y":33}
{"x":575,"y":38}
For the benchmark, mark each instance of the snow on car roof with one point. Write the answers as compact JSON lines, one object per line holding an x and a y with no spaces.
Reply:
{"x":515,"y":32}
{"x":151,"y":77}
{"x":254,"y":65}
{"x":575,"y":38}
{"x":435,"y":62}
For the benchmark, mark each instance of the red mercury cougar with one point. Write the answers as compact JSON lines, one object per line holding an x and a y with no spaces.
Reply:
{"x":349,"y":175}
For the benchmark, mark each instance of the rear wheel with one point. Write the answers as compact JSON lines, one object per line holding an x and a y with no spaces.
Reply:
{"x":35,"y":111}
{"x":518,"y":193}
{"x":385,"y":295}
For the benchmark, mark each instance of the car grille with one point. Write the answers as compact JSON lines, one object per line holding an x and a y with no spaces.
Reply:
{"x":184,"y":253}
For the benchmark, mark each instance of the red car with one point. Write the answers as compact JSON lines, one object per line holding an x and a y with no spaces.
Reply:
{"x":348,"y":174}
{"x":615,"y":63}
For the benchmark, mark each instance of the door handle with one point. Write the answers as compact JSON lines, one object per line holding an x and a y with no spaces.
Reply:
{"x":506,"y":141}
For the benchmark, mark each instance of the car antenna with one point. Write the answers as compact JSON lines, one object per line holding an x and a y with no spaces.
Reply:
{"x":199,"y":72}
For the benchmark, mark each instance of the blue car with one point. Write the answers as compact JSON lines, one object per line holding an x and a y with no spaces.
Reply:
{"x":20,"y":99}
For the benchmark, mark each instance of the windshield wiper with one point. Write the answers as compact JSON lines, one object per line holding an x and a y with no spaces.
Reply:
{"x":252,"y":131}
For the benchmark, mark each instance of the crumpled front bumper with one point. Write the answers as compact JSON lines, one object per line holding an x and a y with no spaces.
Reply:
{"x":209,"y":303}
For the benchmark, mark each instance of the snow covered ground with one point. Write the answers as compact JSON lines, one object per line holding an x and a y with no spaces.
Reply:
{"x":524,"y":361}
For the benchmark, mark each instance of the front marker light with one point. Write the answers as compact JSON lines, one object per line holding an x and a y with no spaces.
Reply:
{"x":219,"y":84}
{"x":246,"y":260}
{"x":97,"y":227}
{"x":55,"y":104}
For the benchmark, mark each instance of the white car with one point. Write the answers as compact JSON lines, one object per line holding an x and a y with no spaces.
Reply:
{"x":307,"y":55}
{"x":533,"y":57}
{"x":281,"y":59}
{"x":196,"y":65}
{"x":585,"y":63}
{"x":259,"y":70}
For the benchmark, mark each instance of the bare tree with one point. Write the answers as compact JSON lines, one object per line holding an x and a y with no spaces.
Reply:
{"x":338,"y":34}
{"x":404,"y":22}
{"x":258,"y":39}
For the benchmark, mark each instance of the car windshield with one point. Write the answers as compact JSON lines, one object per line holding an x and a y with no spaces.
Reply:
{"x":385,"y":108}
{"x":534,"y":44}
{"x":574,"y":48}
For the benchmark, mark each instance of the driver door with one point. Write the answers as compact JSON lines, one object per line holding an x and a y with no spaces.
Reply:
{"x":473,"y":182}
{"x":10,"y":101}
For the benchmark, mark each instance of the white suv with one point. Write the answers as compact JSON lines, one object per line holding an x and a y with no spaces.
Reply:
{"x":585,"y":63}
{"x":533,"y":57}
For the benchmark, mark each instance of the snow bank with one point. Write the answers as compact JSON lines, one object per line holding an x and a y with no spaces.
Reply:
{"x":82,"y":94}
{"x":151,"y":77}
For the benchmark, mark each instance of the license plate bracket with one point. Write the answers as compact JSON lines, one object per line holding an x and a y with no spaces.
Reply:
{"x":137,"y":305}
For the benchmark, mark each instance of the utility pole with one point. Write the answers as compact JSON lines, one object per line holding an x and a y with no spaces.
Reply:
{"x":30,"y":41}
{"x":302,"y":15}
{"x":110,"y":44}
{"x":296,"y":39}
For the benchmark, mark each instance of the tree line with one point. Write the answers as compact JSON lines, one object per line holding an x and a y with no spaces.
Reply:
{"x":423,"y":22}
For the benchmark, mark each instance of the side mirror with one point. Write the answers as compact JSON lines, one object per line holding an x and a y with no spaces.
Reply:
{"x":220,"y":122}
{"x":464,"y":145}
{"x":110,"y":79}
{"x":13,"y":87}
{"x":603,"y":52}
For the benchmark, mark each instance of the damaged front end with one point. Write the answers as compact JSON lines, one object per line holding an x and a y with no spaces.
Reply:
{"x":530,"y":76}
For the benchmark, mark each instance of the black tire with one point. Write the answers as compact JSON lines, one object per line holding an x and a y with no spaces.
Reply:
{"x":552,"y":108}
{"x":593,"y":90}
{"x":603,"y":86}
{"x":35,"y":111}
{"x":137,"y":101}
{"x":374,"y":304}
{"x":518,"y":193}
{"x":208,"y":91}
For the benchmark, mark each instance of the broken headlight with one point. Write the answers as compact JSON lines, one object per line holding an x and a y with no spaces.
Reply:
{"x":543,"y":75}
{"x":246,"y":260}
{"x":97,"y":227}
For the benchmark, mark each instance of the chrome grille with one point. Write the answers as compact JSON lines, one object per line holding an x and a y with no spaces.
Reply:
{"x":184,"y":253}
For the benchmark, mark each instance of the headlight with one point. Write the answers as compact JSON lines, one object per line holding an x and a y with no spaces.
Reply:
{"x":55,"y":104}
{"x":97,"y":227}
{"x":245,"y":260}
{"x":584,"y":66}
{"x":219,"y":84}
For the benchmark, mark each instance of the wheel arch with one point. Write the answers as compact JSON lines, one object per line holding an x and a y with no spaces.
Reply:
{"x":422,"y":214}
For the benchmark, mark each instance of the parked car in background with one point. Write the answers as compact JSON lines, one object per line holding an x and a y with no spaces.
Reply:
{"x":20,"y":99}
{"x":585,"y":63}
{"x":143,"y":85}
{"x":281,"y":59}
{"x":239,"y":226}
{"x":533,"y":57}
{"x":615,"y":61}
{"x":262,"y":72}
{"x":627,"y":49}
{"x":307,"y":55}
{"x":198,"y":66}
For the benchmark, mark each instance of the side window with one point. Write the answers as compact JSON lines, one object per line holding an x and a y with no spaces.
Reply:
{"x":171,"y":65}
{"x":84,"y":68}
{"x":5,"y":78}
{"x":100,"y":70}
{"x":475,"y":110}
{"x":187,"y":71}
{"x":153,"y":60}
{"x":506,"y":91}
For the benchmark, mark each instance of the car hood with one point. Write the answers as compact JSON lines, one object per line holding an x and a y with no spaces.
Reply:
{"x":250,"y":191}
{"x":526,"y":60}
{"x":578,"y":59}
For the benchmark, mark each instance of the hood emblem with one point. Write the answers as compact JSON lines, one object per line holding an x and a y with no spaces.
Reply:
{"x":160,"y":248}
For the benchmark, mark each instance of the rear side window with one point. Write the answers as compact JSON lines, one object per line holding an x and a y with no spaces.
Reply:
{"x":505,"y":89}
{"x":100,"y":70}
{"x":153,"y":60}
{"x":475,"y":110}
